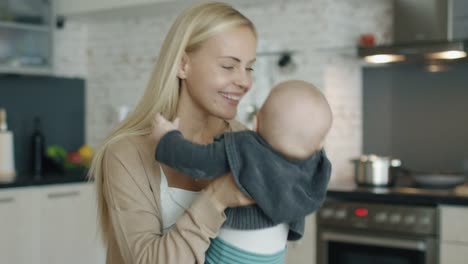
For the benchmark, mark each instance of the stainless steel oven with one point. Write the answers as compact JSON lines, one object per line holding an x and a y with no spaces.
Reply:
{"x":365,"y":233}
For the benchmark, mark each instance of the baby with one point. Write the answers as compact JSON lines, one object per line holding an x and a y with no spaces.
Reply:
{"x":281,"y":164}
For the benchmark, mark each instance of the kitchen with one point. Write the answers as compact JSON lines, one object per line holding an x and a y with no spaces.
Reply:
{"x":112,"y":45}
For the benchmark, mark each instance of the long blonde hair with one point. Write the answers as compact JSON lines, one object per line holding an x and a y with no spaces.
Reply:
{"x":191,"y":28}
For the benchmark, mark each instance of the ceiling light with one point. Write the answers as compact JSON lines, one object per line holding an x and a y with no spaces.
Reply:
{"x":447,"y":55}
{"x":384,"y":58}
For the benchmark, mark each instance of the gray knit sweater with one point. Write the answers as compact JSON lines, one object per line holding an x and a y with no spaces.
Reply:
{"x":285,"y":190}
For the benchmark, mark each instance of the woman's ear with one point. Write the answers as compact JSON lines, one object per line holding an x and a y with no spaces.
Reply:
{"x":183,"y":67}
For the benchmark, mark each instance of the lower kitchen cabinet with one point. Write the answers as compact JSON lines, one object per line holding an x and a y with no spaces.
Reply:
{"x":50,"y":225}
{"x":68,"y":222}
{"x":17,"y":227}
{"x":453,"y":253}
{"x":453,"y":234}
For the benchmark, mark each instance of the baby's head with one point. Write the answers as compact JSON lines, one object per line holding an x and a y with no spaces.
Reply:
{"x":294,"y":119}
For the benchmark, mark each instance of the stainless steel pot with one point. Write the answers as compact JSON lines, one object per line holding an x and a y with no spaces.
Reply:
{"x":373,"y":170}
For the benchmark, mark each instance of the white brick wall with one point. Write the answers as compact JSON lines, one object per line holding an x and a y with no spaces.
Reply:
{"x":116,"y":55}
{"x":342,"y":75}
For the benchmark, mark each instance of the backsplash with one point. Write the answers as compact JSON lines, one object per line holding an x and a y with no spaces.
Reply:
{"x":116,"y":54}
{"x":403,"y":102}
{"x":58,"y":102}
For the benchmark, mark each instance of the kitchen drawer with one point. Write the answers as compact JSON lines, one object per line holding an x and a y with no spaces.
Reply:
{"x":454,"y":224}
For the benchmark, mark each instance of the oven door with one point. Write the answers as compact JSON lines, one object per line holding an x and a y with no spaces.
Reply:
{"x":339,"y":247}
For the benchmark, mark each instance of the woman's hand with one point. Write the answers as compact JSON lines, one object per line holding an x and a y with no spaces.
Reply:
{"x":225,"y":193}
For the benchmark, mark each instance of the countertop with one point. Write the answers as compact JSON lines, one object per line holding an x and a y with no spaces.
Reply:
{"x":399,"y":195}
{"x":348,"y":191}
{"x":47,"y":179}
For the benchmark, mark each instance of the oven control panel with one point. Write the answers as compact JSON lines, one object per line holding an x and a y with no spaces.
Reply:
{"x":382,"y":217}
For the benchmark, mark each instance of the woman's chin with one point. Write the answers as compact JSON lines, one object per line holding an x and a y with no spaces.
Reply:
{"x":227,"y":115}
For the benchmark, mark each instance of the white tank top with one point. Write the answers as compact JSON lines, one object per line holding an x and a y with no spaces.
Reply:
{"x":174,"y":202}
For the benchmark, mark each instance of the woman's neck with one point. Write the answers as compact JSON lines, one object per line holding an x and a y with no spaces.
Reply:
{"x":200,"y":128}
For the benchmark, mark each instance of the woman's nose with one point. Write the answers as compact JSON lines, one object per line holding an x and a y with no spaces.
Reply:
{"x":244,"y":80}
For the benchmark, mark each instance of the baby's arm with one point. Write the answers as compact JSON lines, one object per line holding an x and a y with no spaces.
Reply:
{"x":197,"y":160}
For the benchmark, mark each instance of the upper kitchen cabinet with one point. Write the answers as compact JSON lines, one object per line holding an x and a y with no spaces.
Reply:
{"x":26,"y":28}
{"x":119,"y":8}
{"x":73,"y":7}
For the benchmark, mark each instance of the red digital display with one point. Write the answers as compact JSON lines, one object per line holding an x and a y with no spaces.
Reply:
{"x":361,"y":212}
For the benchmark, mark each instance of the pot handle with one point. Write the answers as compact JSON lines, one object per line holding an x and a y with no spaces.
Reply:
{"x":395,"y":163}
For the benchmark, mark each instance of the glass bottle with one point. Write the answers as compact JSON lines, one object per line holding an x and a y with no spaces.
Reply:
{"x":37,"y":149}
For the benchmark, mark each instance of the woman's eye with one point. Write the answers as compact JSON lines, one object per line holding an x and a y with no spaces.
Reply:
{"x":228,"y":67}
{"x":250,"y":69}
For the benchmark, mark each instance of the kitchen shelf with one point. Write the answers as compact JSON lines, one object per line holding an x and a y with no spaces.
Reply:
{"x":26,"y":70}
{"x":24,"y":26}
{"x":26,"y":37}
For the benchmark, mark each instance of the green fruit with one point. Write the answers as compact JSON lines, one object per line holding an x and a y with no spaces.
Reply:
{"x":56,"y":153}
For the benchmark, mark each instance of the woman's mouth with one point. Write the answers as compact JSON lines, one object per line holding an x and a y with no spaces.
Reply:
{"x":233,"y":99}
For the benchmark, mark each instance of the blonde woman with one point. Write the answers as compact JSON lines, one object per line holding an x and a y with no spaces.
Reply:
{"x":150,"y":213}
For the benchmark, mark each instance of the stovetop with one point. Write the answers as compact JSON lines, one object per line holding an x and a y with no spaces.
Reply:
{"x":401,"y":193}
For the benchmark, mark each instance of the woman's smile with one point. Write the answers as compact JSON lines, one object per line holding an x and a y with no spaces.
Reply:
{"x":232,"y":98}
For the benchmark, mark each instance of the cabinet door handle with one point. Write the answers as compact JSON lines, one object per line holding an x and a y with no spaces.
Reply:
{"x":57,"y":195}
{"x":6,"y":200}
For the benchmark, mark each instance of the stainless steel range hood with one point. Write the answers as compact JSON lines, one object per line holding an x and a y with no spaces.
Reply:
{"x":424,"y":30}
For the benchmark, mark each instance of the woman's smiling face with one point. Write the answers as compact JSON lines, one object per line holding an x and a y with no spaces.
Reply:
{"x":216,"y":76}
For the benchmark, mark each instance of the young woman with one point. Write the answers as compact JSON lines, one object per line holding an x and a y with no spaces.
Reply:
{"x":150,"y":213}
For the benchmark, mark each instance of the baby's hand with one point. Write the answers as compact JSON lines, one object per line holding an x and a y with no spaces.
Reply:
{"x":161,"y":126}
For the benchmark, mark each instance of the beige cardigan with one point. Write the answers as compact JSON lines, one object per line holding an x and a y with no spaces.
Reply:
{"x":131,"y":190}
